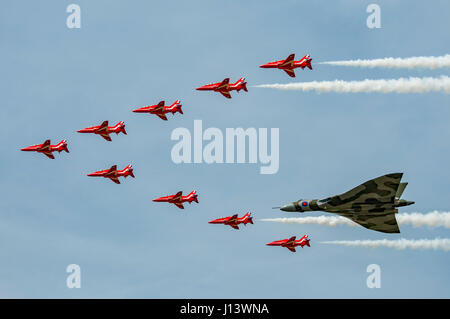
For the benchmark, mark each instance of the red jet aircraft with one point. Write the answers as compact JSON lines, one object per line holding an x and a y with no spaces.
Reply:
{"x":104,"y":130}
{"x":291,"y":243}
{"x":289,"y":64}
{"x":47,"y":149}
{"x":225,"y":87}
{"x":113,"y":174}
{"x":178,"y":199}
{"x":161,"y":110}
{"x":234,"y":220}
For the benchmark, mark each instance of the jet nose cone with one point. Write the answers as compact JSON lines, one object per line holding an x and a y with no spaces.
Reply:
{"x":288,"y":208}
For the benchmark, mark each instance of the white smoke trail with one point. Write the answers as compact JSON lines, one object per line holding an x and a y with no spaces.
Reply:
{"x":427,"y":244}
{"x":423,"y":62}
{"x":431,"y":219}
{"x":401,"y":85}
{"x":318,"y":220}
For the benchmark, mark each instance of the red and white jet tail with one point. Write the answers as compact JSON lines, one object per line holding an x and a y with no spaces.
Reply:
{"x":120,"y":127}
{"x":241,"y":85}
{"x":62,"y":146}
{"x":175,"y":107}
{"x":192,"y":197}
{"x":248,"y":218}
{"x":128,"y":171}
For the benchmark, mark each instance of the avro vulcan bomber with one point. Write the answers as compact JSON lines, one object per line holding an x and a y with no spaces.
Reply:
{"x":372,"y":205}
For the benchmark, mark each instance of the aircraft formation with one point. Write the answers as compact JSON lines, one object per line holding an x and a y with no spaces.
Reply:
{"x":372,"y":204}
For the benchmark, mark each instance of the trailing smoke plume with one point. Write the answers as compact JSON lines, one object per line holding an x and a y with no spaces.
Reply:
{"x":401,"y":85}
{"x":421,"y":62}
{"x":427,"y":244}
{"x":432,"y":219}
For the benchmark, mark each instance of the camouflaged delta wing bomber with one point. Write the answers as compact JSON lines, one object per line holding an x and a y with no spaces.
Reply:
{"x":372,"y":205}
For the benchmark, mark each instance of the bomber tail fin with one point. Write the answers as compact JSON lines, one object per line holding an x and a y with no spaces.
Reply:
{"x":400,"y":189}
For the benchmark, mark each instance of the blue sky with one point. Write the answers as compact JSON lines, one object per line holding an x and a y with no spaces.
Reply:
{"x":130,"y":54}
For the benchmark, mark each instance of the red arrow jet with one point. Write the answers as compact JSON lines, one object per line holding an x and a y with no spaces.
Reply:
{"x":46,"y":148}
{"x":289,"y":64}
{"x":225,"y":87}
{"x":114,"y":174}
{"x":291,"y":243}
{"x":161,"y":110}
{"x":234,"y":220}
{"x":104,"y":130}
{"x":178,"y":199}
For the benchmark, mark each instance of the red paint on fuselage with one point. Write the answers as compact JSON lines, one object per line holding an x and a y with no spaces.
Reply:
{"x":161,"y":110}
{"x":289,"y":64}
{"x":234,"y":220}
{"x":113,"y":173}
{"x":291,"y":243}
{"x":178,"y":199}
{"x":225,"y":87}
{"x":47,"y":149}
{"x":104,"y":130}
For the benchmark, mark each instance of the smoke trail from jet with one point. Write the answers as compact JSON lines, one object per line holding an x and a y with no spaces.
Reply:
{"x":400,"y":244}
{"x":401,"y":85}
{"x":422,"y":62}
{"x":331,"y":221}
{"x":432,"y":219}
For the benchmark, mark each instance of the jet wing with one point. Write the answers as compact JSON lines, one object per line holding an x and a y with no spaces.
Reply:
{"x":179,"y":205}
{"x":384,"y":222}
{"x":377,"y":192}
{"x":235,"y":226}
{"x":103,"y":126}
{"x":226,"y":94}
{"x":162,"y":116}
{"x":290,"y":72}
{"x":115,"y":179}
{"x":288,"y":60}
{"x":49,"y":154}
{"x":291,"y":249}
{"x":177,"y":196}
{"x":112,"y":169}
{"x":106,"y":136}
{"x":291,"y":240}
{"x":45,"y":145}
{"x":159,"y":106}
{"x":224,"y":83}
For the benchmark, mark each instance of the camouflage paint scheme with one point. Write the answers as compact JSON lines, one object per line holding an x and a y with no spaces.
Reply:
{"x":372,"y":204}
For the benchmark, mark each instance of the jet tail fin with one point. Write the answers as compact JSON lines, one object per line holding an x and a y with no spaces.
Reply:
{"x":400,"y":189}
